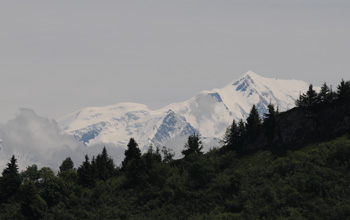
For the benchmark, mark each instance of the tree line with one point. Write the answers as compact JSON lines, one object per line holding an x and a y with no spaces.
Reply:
{"x":326,"y":96}
{"x":37,"y":190}
{"x":240,"y":136}
{"x":220,"y":184}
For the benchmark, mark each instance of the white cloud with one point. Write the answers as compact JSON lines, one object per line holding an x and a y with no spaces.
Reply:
{"x":37,"y":140}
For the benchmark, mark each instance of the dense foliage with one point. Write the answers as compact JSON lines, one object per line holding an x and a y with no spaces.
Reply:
{"x":236,"y":181}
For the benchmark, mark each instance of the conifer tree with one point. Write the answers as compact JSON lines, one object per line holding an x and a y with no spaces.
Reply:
{"x":332,"y":95}
{"x":132,"y":164}
{"x":231,"y":137}
{"x":269,"y":122}
{"x":323,"y":95}
{"x":301,"y":101}
{"x":150,"y":173}
{"x":192,"y":146}
{"x":151,"y":157}
{"x":86,"y":174}
{"x":311,"y":97}
{"x":343,"y":91}
{"x":94,"y":170}
{"x":242,"y":131}
{"x":131,"y":153}
{"x":307,"y":100}
{"x":104,"y":165}
{"x":10,"y":180}
{"x":253,"y":124}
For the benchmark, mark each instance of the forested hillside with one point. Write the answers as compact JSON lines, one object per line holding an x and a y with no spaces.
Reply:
{"x":287,"y":165}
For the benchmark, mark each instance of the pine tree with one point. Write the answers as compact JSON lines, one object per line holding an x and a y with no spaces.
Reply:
{"x":343,"y":91}
{"x":269,"y":122}
{"x":301,"y":101}
{"x":94,"y":169}
{"x":332,"y":96}
{"x":323,"y":95}
{"x":307,"y":100}
{"x":311,"y":96}
{"x":10,"y":180}
{"x":151,"y":157}
{"x":231,"y":137}
{"x":132,"y":164}
{"x":242,"y":131}
{"x":151,"y":170}
{"x":104,"y":165}
{"x":86,"y":174}
{"x":253,"y":124}
{"x":192,"y":146}
{"x":132,"y":153}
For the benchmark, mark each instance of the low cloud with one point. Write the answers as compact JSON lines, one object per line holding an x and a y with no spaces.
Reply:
{"x":37,"y":140}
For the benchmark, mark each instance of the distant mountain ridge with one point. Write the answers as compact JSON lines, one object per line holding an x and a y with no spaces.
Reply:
{"x":208,"y":113}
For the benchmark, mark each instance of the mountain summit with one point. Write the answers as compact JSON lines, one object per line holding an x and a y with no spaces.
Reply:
{"x":208,"y":113}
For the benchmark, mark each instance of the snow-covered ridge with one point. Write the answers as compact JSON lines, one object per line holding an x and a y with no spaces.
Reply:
{"x":208,"y":113}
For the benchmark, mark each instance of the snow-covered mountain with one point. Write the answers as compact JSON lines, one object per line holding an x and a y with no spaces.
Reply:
{"x":208,"y":113}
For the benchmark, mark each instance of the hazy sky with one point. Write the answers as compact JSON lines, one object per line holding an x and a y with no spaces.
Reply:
{"x":59,"y":56}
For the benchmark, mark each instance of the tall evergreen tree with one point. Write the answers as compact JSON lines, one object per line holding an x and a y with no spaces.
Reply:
{"x":301,"y":101}
{"x":231,"y":137}
{"x":343,"y":91}
{"x":86,"y":173}
{"x":269,"y":122}
{"x":104,"y":165}
{"x":253,"y":124}
{"x":242,"y":131}
{"x":132,"y":164}
{"x":151,"y":157}
{"x":322,"y":96}
{"x":10,"y":180}
{"x":311,"y":96}
{"x":332,"y":95}
{"x":307,"y":100}
{"x":242,"y":135}
{"x":94,"y":170}
{"x":131,"y":153}
{"x":192,"y":146}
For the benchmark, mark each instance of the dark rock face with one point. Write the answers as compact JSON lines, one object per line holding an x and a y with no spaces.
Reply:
{"x":217,"y":96}
{"x":86,"y":137}
{"x":171,"y":125}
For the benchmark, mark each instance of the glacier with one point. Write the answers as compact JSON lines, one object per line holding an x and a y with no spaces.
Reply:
{"x":207,"y":114}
